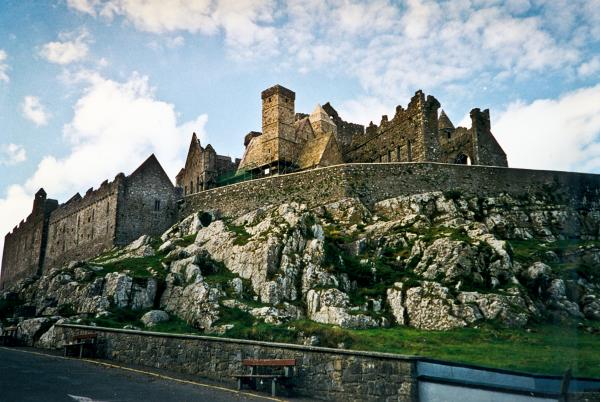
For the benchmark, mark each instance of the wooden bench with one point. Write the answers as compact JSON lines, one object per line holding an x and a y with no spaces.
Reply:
{"x":80,"y":344}
{"x":276,"y":370}
{"x":8,"y":336}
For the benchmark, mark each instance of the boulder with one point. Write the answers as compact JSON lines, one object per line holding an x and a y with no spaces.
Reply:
{"x":117,"y":288}
{"x":28,"y":331}
{"x":54,"y":338}
{"x":153,"y":317}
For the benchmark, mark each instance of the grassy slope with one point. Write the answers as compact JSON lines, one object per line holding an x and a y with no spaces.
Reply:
{"x":548,"y":349}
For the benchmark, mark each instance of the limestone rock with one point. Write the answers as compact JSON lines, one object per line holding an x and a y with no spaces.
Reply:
{"x":117,"y":288}
{"x":430,"y":306}
{"x":153,"y":317}
{"x":450,"y":259}
{"x":395,"y":302}
{"x":54,"y":338}
{"x":331,"y":306}
{"x":28,"y":331}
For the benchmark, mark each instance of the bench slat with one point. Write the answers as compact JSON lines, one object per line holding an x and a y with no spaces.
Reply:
{"x":269,"y":362}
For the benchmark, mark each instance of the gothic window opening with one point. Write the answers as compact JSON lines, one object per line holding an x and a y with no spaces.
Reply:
{"x":462,"y":159}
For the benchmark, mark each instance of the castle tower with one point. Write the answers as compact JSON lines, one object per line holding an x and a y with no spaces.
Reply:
{"x":278,"y":125}
{"x":321,"y":122}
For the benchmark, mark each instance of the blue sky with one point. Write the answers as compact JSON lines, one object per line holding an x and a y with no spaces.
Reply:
{"x":89,"y":88}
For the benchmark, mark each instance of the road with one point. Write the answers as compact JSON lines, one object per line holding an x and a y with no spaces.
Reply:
{"x":27,"y":375}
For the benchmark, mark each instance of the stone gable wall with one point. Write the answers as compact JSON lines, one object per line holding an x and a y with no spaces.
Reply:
{"x":138,"y":211}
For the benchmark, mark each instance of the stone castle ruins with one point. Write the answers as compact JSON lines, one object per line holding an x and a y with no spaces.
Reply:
{"x":146,"y":202}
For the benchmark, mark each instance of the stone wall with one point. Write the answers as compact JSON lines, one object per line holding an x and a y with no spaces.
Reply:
{"x":373,"y":182}
{"x":148,"y":205}
{"x":83,"y":227}
{"x":321,"y":373}
{"x":24,"y":247}
{"x":411,"y":135}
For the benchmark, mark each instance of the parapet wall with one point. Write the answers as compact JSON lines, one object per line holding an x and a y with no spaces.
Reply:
{"x":373,"y":182}
{"x":321,"y":373}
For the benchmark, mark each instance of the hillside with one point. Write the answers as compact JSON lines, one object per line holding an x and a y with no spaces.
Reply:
{"x":493,"y":271}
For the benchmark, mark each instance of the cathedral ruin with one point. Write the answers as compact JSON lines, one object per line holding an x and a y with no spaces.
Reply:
{"x":291,"y":141}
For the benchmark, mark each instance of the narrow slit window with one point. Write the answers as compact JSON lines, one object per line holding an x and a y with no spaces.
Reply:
{"x":157,"y":205}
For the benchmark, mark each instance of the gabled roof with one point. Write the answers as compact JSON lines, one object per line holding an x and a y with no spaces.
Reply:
{"x":444,"y":122}
{"x":313,"y":151}
{"x":151,"y":163}
{"x":319,"y":114}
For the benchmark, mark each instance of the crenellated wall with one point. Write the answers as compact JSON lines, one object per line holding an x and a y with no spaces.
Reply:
{"x":84,"y":226}
{"x":24,"y":247}
{"x":116,"y":213}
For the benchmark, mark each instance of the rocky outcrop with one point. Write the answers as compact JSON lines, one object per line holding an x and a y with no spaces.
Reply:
{"x":432,"y":261}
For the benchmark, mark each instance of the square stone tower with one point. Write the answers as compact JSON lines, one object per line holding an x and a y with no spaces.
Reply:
{"x":278,"y":129}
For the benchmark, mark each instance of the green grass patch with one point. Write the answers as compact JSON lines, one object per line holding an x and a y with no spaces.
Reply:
{"x":175,"y":325}
{"x":137,"y":266}
{"x":242,"y":237}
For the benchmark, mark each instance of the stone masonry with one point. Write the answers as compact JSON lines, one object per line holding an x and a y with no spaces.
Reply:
{"x":145,"y":202}
{"x":321,"y":373}
{"x":202,"y":168}
{"x":292,"y":141}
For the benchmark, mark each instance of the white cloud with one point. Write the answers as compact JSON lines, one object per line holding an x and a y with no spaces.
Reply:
{"x":364,"y":111}
{"x":33,"y":110}
{"x":590,"y":67}
{"x":3,"y":66}
{"x":244,"y":22}
{"x":391,"y":47}
{"x":72,"y":47}
{"x":11,"y":154}
{"x":115,"y":127}
{"x":558,"y":134}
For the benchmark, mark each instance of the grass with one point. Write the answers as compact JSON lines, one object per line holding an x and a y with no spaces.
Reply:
{"x":548,"y":349}
{"x":241,"y":236}
{"x":137,"y":266}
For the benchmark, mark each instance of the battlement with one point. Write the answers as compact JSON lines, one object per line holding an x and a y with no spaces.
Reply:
{"x":78,"y":203}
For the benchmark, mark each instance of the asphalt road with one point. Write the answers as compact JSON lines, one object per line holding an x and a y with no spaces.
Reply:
{"x":26,"y":375}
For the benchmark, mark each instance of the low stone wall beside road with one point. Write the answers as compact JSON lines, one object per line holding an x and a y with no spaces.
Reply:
{"x":321,"y":373}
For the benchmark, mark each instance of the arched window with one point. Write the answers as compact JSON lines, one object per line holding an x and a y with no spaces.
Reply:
{"x":462,"y":159}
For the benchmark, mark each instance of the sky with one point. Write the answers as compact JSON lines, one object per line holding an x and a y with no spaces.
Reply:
{"x":90,"y":88}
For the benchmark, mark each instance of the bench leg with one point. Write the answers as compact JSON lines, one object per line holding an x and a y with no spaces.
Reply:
{"x":239,"y":384}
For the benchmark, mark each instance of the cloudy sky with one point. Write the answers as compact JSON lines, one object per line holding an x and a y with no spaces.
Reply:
{"x":89,"y":88}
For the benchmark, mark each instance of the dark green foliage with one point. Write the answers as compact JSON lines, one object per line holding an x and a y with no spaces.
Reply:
{"x":453,"y":194}
{"x":175,"y":325}
{"x":120,"y":317}
{"x":205,"y":219}
{"x":66,"y":310}
{"x":233,"y":177}
{"x":8,"y":306}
